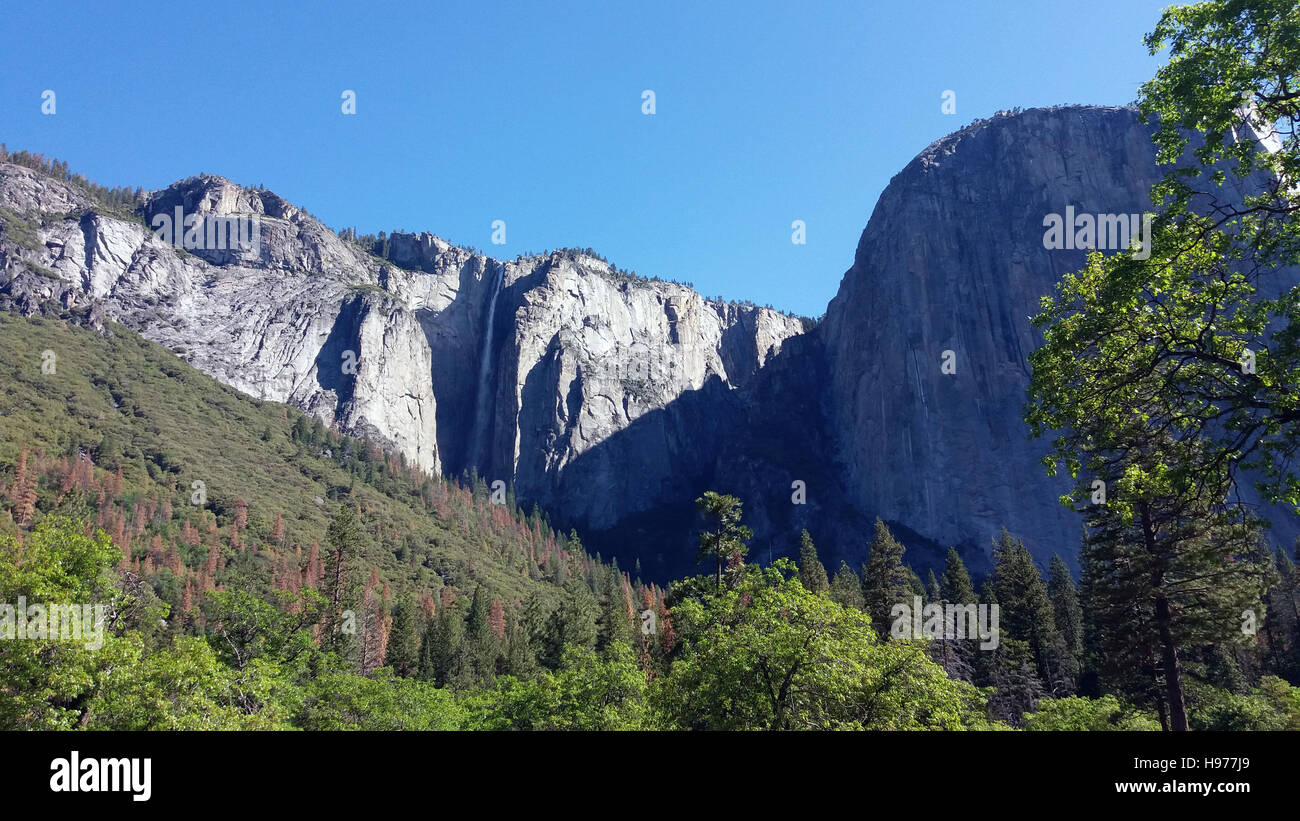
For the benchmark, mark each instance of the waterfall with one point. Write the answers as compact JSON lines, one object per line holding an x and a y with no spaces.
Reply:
{"x":481,"y":409}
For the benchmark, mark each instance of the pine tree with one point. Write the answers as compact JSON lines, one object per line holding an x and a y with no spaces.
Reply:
{"x":1025,"y":611}
{"x":1017,"y":687}
{"x":1067,"y":613}
{"x":956,"y":586}
{"x":812,"y":573}
{"x":615,"y":624}
{"x":727,"y":543}
{"x":846,"y":589}
{"x":957,"y":656}
{"x":24,"y":491}
{"x":520,"y":652}
{"x":344,"y":538}
{"x":573,"y":622}
{"x":441,"y":649}
{"x":932,"y":591}
{"x":1168,"y":574}
{"x":1282,"y":620}
{"x":886,"y":581}
{"x":481,"y":644}
{"x":404,"y":639}
{"x":375,"y":625}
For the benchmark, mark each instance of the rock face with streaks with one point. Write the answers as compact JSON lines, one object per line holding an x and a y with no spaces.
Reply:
{"x":512,"y":369}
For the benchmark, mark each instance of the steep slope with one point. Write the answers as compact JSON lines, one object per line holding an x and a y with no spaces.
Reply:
{"x":116,"y":427}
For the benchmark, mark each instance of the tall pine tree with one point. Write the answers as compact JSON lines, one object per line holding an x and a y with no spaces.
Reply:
{"x":886,"y":581}
{"x":812,"y":573}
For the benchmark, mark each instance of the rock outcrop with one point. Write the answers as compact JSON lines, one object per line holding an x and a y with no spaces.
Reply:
{"x":510,"y":369}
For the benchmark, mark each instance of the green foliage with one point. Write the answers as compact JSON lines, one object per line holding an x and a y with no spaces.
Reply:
{"x":43,"y":683}
{"x":765,"y":653}
{"x":585,"y":693}
{"x":19,"y":229}
{"x":404,"y":642}
{"x":117,"y":200}
{"x":572,"y":624}
{"x":187,"y":687}
{"x":344,"y":701}
{"x":846,"y":588}
{"x":1273,"y":705}
{"x":1065,"y":608}
{"x":1076,"y":714}
{"x":1026,"y":612}
{"x":956,"y":585}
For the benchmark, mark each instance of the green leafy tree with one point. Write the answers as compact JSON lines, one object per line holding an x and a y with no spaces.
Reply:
{"x":1172,"y":372}
{"x":45,"y":683}
{"x":586,"y":692}
{"x":1076,"y":714}
{"x":766,"y":653}
{"x":346,"y":701}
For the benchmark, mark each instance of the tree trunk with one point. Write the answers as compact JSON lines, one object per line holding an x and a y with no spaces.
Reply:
{"x":1168,"y":650}
{"x":1173,"y":671}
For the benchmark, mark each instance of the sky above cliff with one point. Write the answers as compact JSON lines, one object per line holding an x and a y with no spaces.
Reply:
{"x":534,"y":114}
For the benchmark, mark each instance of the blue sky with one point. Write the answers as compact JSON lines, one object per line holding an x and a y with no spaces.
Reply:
{"x":531,"y":113}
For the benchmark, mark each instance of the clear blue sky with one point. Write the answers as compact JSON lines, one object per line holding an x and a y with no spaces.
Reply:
{"x":530,"y":112}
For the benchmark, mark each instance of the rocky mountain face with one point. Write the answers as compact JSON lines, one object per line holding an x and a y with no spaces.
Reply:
{"x":613,"y":401}
{"x":515,"y":370}
{"x":949,"y":270}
